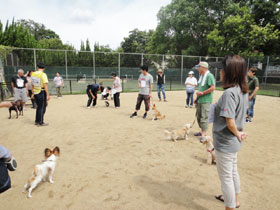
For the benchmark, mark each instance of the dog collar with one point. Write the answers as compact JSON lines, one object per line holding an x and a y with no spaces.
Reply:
{"x":210,"y":150}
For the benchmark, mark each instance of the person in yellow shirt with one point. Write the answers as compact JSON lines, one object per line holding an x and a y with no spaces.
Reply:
{"x":40,"y":92}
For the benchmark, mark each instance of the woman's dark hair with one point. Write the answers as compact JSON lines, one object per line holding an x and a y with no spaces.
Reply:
{"x":58,"y":73}
{"x":29,"y":73}
{"x":235,"y":72}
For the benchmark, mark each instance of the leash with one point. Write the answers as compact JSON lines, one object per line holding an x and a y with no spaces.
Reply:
{"x":195,"y":113}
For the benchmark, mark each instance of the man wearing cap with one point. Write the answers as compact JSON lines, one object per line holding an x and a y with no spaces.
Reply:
{"x":206,"y":87}
{"x":20,"y":87}
{"x":145,"y":83}
{"x":40,"y":92}
{"x":160,"y":84}
{"x":190,"y":83}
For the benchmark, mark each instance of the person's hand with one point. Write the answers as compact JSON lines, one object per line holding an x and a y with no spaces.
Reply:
{"x":150,"y":95}
{"x":27,"y":93}
{"x":32,"y":96}
{"x":242,"y":136}
{"x":48,"y":97}
{"x":250,"y":98}
{"x":199,"y":93}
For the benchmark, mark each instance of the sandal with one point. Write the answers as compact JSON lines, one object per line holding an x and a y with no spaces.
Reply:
{"x":220,"y":198}
{"x":197,"y":134}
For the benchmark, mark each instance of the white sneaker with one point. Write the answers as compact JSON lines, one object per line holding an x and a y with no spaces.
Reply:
{"x":186,"y":106}
{"x":88,"y":107}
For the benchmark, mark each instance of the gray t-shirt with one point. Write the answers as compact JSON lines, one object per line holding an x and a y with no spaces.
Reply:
{"x":232,"y":104}
{"x":145,"y":81}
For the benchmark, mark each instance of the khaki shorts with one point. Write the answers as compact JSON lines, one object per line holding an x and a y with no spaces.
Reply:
{"x":202,"y":113}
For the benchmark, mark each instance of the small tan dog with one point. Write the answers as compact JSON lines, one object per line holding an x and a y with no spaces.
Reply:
{"x":43,"y":171}
{"x":157,"y":115}
{"x":179,"y":134}
{"x":208,"y":141}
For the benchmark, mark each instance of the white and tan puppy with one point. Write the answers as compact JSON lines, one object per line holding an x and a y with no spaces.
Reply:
{"x":208,"y":141}
{"x":43,"y":171}
{"x":179,"y":134}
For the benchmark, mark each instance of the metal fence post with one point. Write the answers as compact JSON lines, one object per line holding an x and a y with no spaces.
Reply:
{"x":66,"y":67}
{"x":119,"y":65}
{"x":163,"y":64}
{"x":248,"y":63}
{"x":142,"y":59}
{"x":216,"y":70}
{"x":182,"y":68}
{"x":93,"y":65}
{"x":35,"y":62}
{"x":267,"y":66}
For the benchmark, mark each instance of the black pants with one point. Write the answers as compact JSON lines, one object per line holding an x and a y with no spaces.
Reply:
{"x":41,"y":101}
{"x":5,"y":181}
{"x":117,"y":99}
{"x":90,"y":99}
{"x":32,"y":100}
{"x":146,"y":99}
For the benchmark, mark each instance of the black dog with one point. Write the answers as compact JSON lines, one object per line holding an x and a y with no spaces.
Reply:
{"x":17,"y":106}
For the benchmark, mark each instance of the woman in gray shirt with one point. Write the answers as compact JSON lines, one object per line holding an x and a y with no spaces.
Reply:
{"x":228,"y":125}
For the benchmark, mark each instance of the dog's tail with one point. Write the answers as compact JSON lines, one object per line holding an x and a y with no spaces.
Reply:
{"x":167,"y":134}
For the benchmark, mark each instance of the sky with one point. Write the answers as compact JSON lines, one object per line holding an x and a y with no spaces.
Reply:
{"x":104,"y":21}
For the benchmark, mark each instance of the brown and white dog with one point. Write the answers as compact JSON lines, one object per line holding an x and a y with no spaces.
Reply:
{"x":157,"y":115}
{"x":208,"y":141}
{"x":17,"y":106}
{"x":179,"y":134}
{"x":43,"y":171}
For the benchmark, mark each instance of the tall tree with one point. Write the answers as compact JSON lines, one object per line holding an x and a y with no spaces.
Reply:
{"x":240,"y":34}
{"x":38,"y":30}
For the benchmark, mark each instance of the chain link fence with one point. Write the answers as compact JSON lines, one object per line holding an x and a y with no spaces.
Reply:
{"x":80,"y":68}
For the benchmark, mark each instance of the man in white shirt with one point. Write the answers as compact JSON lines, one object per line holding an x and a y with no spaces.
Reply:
{"x":59,"y":84}
{"x":190,"y":83}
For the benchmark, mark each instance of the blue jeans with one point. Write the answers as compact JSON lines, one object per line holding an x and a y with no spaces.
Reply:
{"x":250,"y":110}
{"x":161,"y":87}
{"x":189,"y":96}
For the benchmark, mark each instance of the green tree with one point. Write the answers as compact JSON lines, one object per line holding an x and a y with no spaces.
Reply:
{"x":38,"y":30}
{"x":240,"y":34}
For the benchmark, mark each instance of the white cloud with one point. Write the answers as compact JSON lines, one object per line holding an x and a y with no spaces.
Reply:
{"x":106,"y":22}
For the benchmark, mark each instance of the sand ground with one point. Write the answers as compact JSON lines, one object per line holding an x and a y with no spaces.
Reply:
{"x":109,"y":161}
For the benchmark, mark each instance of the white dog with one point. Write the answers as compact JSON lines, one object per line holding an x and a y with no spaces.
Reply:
{"x":179,"y":133}
{"x":43,"y":171}
{"x":211,"y":158}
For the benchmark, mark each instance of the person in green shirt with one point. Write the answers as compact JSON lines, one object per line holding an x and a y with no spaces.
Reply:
{"x":206,"y":87}
{"x":253,"y":84}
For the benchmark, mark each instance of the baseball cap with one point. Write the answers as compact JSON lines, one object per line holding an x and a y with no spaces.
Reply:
{"x":191,"y":72}
{"x":202,"y":64}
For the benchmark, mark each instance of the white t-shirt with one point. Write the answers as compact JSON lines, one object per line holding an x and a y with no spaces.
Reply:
{"x":191,"y":80}
{"x":117,"y":85}
{"x":58,"y":81}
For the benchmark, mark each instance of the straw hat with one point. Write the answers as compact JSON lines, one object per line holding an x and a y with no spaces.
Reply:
{"x":159,"y":71}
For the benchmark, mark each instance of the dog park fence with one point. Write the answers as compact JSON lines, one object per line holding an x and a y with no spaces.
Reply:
{"x":80,"y":68}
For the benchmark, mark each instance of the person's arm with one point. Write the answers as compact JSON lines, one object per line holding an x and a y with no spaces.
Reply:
{"x":151,"y":88}
{"x":13,"y":85}
{"x":4,"y":152}
{"x":90,"y":92}
{"x":232,"y":127}
{"x":26,"y":87}
{"x":47,"y":91}
{"x":254,"y":93}
{"x":205,"y":92}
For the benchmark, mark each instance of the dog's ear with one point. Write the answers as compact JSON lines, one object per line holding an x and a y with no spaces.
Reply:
{"x":48,"y":152}
{"x":56,"y":151}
